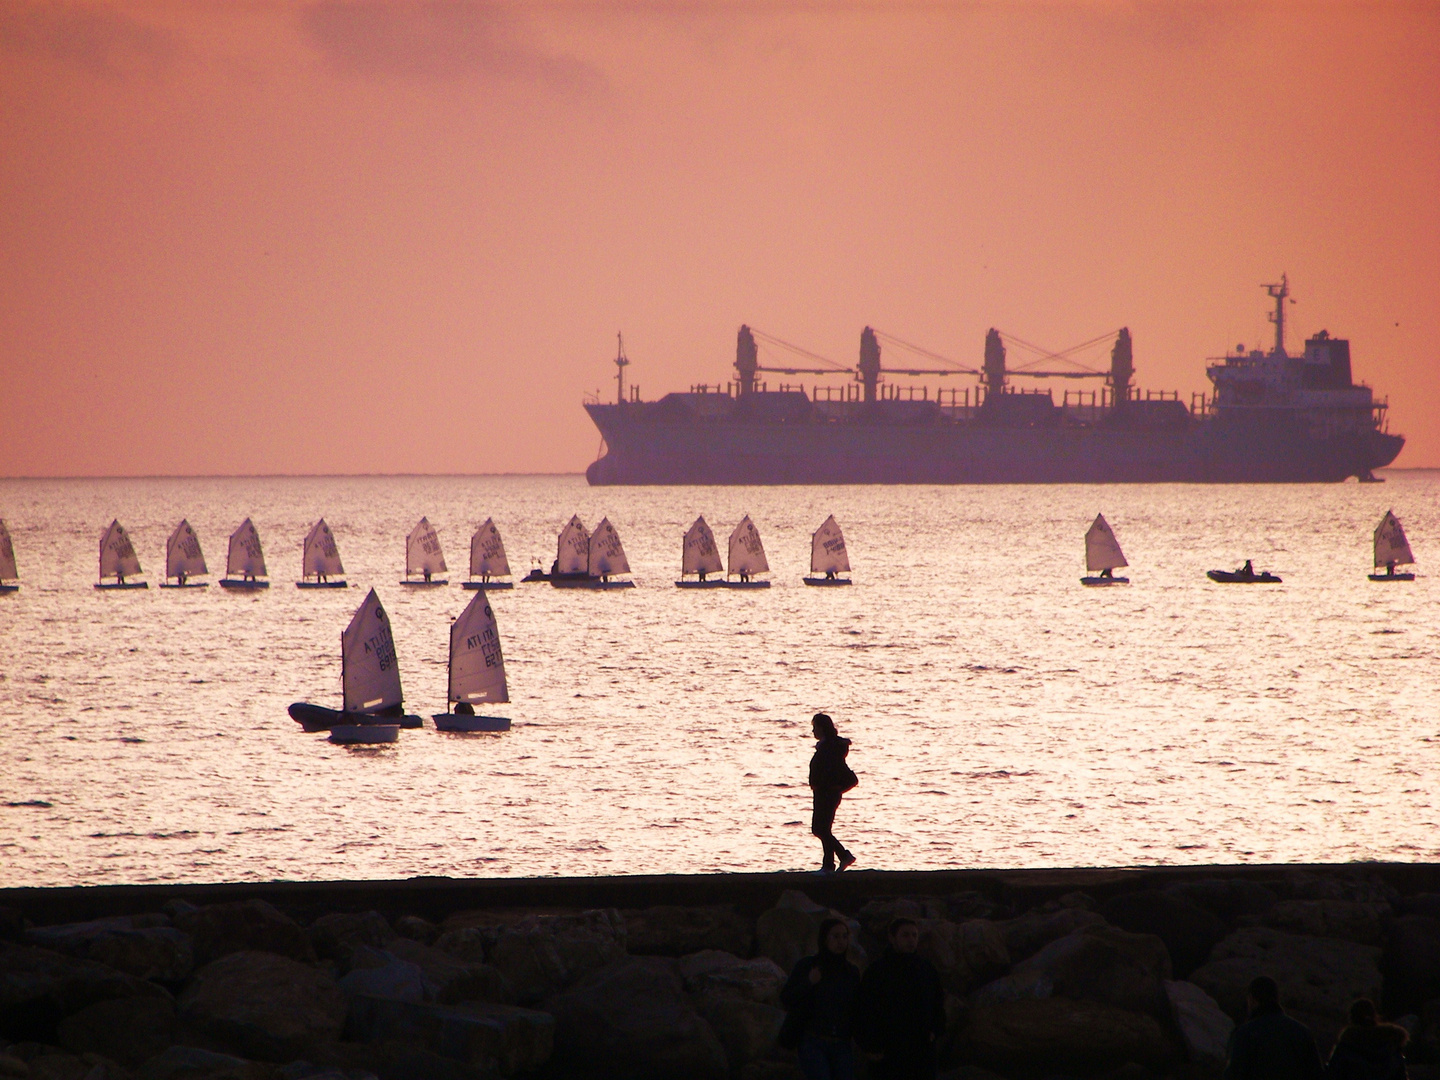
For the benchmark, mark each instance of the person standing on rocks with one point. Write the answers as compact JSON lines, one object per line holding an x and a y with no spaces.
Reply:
{"x":830,"y":778}
{"x":1368,"y":1049}
{"x":819,"y":999}
{"x":1271,"y":1045}
{"x":900,"y":1012}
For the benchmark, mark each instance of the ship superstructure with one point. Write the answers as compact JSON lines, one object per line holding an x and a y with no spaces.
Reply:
{"x":1272,"y":417}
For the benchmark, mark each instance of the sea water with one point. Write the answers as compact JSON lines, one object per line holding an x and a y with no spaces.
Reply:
{"x":1002,"y":715}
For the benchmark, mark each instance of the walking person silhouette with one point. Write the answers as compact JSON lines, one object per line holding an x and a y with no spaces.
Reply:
{"x":830,"y":778}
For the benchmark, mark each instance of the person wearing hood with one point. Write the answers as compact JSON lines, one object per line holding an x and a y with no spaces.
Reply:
{"x":1271,"y":1045}
{"x":901,"y":1009}
{"x":1368,"y":1049}
{"x":819,"y":999}
{"x":830,"y":778}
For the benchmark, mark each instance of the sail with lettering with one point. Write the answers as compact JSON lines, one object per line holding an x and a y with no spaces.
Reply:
{"x":827,"y":549}
{"x":371,"y":675}
{"x":422,"y":551}
{"x":183,"y":558}
{"x":7,"y":560}
{"x":572,"y":551}
{"x":699,"y":553}
{"x":477,"y":668}
{"x":747,"y":554}
{"x":321,"y":556}
{"x":1102,"y":550}
{"x":117,"y":554}
{"x":1390,"y":543}
{"x":607,"y":555}
{"x":246,"y":557}
{"x":487,"y":552}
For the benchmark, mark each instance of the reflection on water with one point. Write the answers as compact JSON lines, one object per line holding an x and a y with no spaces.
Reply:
{"x":1002,"y":715}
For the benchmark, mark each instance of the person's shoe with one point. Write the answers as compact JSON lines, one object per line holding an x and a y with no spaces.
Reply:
{"x":846,"y":862}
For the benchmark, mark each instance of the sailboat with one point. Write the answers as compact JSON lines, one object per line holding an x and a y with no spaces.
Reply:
{"x":747,"y":557}
{"x":183,"y":559}
{"x":9,"y":576}
{"x":117,"y":560}
{"x":828,"y":555}
{"x":372,"y":709}
{"x":246,"y":559}
{"x":487,"y":559}
{"x":606,"y":557}
{"x":572,"y":557}
{"x":1102,"y":552}
{"x":1391,"y":550}
{"x":320,"y":559}
{"x":700,"y":556}
{"x":423,"y":556}
{"x":477,"y":670}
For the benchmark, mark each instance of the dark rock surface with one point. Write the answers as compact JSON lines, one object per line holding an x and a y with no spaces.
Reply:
{"x":128,"y":1030}
{"x":263,"y":1006}
{"x":39,"y":988}
{"x":672,"y":930}
{"x":1188,"y":930}
{"x":1037,"y":1037}
{"x":245,"y":925}
{"x":336,"y":936}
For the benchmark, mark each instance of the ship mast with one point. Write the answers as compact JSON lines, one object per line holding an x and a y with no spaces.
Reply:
{"x":621,"y":363}
{"x":1278,"y":293}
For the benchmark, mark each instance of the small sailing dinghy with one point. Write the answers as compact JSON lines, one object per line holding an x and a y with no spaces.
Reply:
{"x":246,"y":559}
{"x":1246,"y":575}
{"x":373,"y":709}
{"x":9,"y":576}
{"x":572,"y":557}
{"x":1391,"y":550}
{"x":183,"y":559}
{"x":320,"y":559}
{"x":747,"y":557}
{"x":423,"y":556}
{"x":117,"y":560}
{"x":1102,"y":552}
{"x":607,"y":556}
{"x":700,"y":556}
{"x":477,"y":670}
{"x":487,"y":559}
{"x":828,"y":555}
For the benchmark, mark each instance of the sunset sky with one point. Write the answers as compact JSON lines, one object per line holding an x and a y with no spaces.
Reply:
{"x":352,"y":236}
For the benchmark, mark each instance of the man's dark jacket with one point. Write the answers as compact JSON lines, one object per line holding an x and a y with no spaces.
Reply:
{"x":901,"y":1009}
{"x":1273,"y":1046}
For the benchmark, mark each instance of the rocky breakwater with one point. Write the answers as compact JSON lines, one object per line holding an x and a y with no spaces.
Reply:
{"x":1130,"y":974}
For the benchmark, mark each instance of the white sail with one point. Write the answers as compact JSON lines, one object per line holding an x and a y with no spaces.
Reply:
{"x":422,"y":550}
{"x":321,"y":555}
{"x":572,"y":552}
{"x":117,"y":554}
{"x":7,"y":555}
{"x":700,"y":551}
{"x":1102,"y":550}
{"x":607,"y":556}
{"x":246,"y":558}
{"x":827,"y":549}
{"x":487,"y":552}
{"x":747,"y":554}
{"x":182,"y":553}
{"x":477,"y":670}
{"x":1390,"y":543}
{"x":367,"y":648}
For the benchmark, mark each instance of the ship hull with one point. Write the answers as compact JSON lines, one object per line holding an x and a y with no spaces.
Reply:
{"x":1261,"y":449}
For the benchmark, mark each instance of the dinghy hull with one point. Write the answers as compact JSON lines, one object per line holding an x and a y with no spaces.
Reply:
{"x":364,"y":734}
{"x":488,"y":586}
{"x":1104,"y":581}
{"x":322,"y":584}
{"x":747,"y":584}
{"x":184,"y":585}
{"x":1230,"y":577}
{"x":826,"y":581}
{"x":243,"y":586}
{"x":425,"y":584}
{"x":1392,"y":577}
{"x":715,"y":584}
{"x":590,"y":583}
{"x":318,"y":718}
{"x":9,"y":588}
{"x":107,"y":585}
{"x":453,"y":722}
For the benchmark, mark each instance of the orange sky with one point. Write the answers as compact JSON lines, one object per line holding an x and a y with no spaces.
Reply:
{"x":364,"y":236}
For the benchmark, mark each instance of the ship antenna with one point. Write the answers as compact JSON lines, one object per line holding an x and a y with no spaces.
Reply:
{"x":1278,"y":293}
{"x":621,"y":363}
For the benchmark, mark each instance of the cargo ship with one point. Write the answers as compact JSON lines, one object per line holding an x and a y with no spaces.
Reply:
{"x":1270,"y":417}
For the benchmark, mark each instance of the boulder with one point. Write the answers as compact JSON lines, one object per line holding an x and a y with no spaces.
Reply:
{"x":633,"y":1019}
{"x":39,"y":987}
{"x":1098,"y":963}
{"x":540,"y":954}
{"x":191,"y":1063}
{"x":715,"y":972}
{"x":469,"y":943}
{"x":1350,"y":920}
{"x":263,"y":1006}
{"x":970,"y":904}
{"x":1029,"y":933}
{"x":791,"y":930}
{"x":336,"y":936}
{"x":244,"y":926}
{"x":127,"y":1030}
{"x":1412,"y":962}
{"x":144,"y":946}
{"x":1056,"y":1034}
{"x":1365,"y":888}
{"x":747,"y":1029}
{"x":876,"y":916}
{"x":1202,"y":1024}
{"x":12,"y":1067}
{"x":454,"y":980}
{"x":416,"y":929}
{"x":1228,"y":898}
{"x":480,"y":1036}
{"x":671,"y":930}
{"x":1188,"y":930}
{"x":48,"y":1063}
{"x":376,"y":973}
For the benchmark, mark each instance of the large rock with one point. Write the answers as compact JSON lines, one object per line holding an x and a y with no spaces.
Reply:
{"x":263,"y":1006}
{"x":1027,"y":934}
{"x":336,"y":936}
{"x":127,"y":1030}
{"x":376,"y":973}
{"x":1351,"y":920}
{"x":671,"y":930}
{"x":1188,"y":930}
{"x":541,"y":954}
{"x":1040,"y":1036}
{"x":39,"y":987}
{"x":1202,"y":1024}
{"x":1228,"y":898}
{"x":1098,"y":963}
{"x":791,"y":930}
{"x":142,"y":945}
{"x":716,"y":972}
{"x":454,"y":980}
{"x":245,"y":925}
{"x":191,"y":1063}
{"x":1318,"y":977}
{"x":739,"y":999}
{"x":480,"y":1036}
{"x":1412,"y":962}
{"x":470,"y":943}
{"x":633,"y":1019}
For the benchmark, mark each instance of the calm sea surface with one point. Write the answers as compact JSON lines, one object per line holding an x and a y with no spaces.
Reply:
{"x":1002,"y":715}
